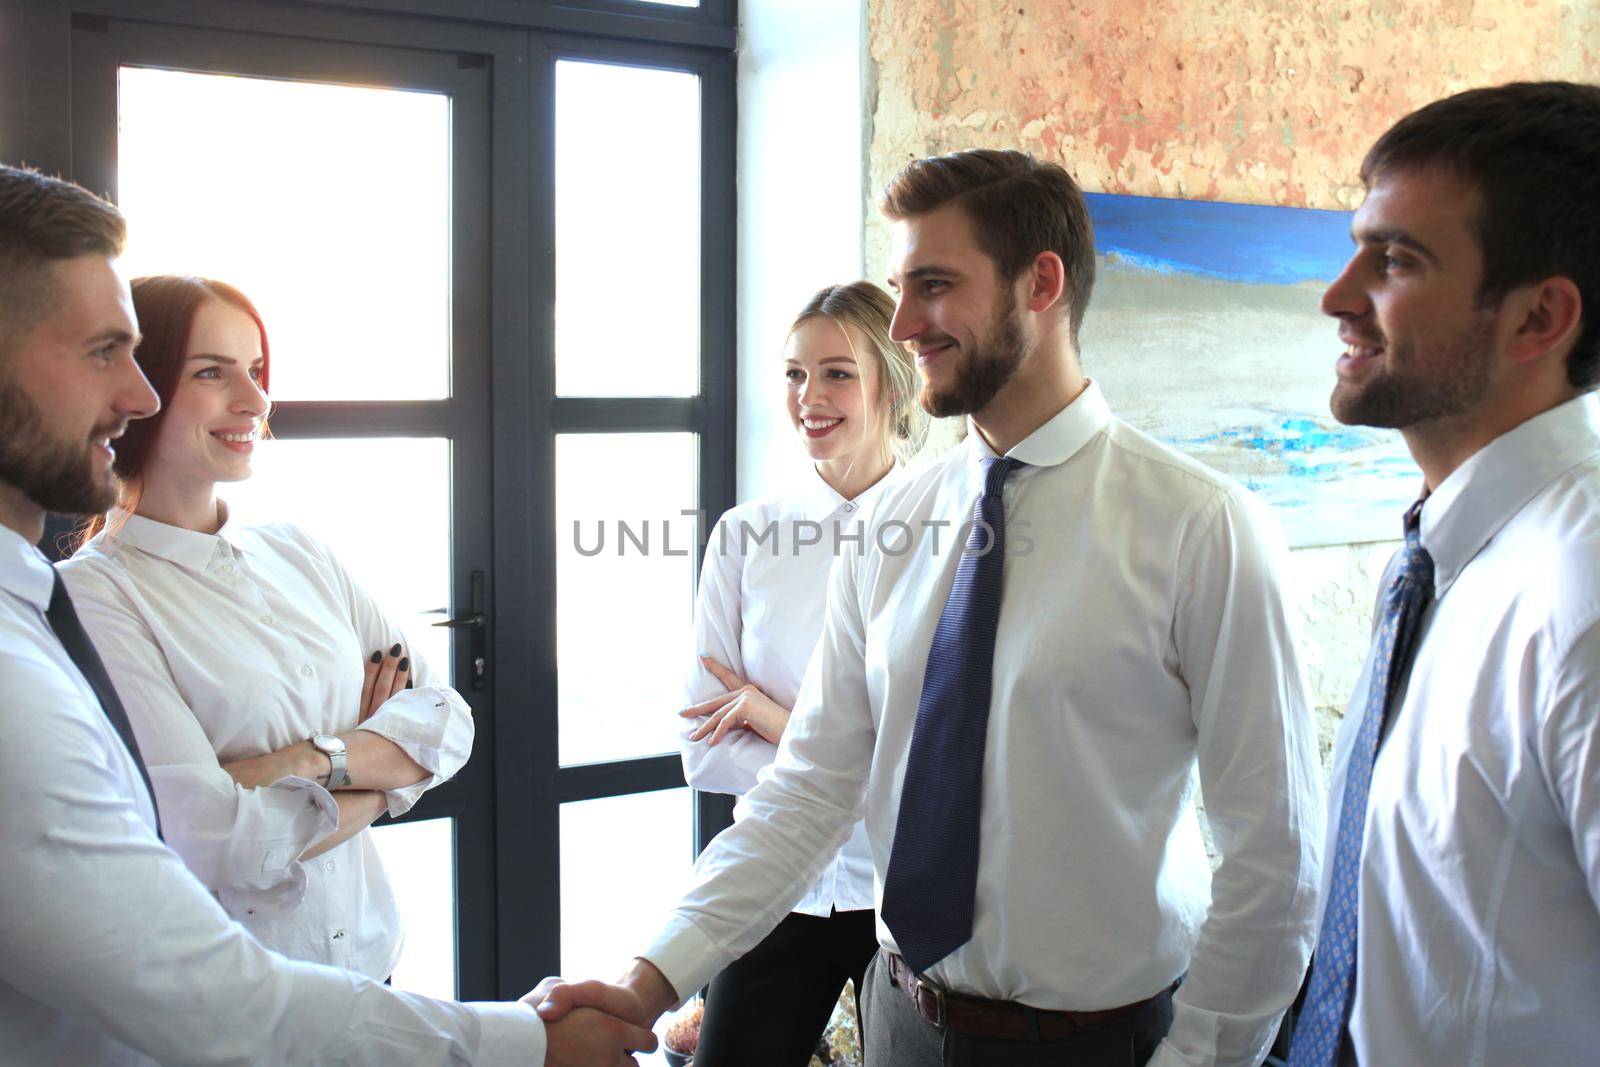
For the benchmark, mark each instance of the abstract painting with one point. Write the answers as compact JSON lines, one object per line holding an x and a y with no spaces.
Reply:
{"x":1204,"y":331}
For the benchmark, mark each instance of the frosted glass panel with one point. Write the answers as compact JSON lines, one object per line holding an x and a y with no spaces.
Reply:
{"x":420,"y":859}
{"x":625,"y":862}
{"x":624,"y":590}
{"x":349,"y":494}
{"x":329,"y":205}
{"x":627,"y":231}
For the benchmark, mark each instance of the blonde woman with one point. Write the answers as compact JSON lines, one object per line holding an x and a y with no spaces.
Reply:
{"x":851,"y":402}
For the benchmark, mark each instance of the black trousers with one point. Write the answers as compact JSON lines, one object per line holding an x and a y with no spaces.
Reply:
{"x":896,"y":1036}
{"x":769,"y":1008}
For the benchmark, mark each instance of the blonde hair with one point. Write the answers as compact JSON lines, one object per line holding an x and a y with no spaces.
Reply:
{"x":870,"y":309}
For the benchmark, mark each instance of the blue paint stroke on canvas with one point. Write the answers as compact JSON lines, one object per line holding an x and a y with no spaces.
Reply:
{"x":1233,"y":242}
{"x":1204,"y":330}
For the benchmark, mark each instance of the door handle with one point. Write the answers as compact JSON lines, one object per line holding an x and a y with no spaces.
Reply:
{"x":475,"y":619}
{"x":477,"y":622}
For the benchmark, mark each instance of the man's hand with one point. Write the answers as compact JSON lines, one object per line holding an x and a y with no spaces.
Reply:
{"x":596,"y":1022}
{"x":591,"y":1038}
{"x":743,"y":707}
{"x":640,"y":996}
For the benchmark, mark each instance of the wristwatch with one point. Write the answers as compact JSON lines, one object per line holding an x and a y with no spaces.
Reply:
{"x":333,"y":748}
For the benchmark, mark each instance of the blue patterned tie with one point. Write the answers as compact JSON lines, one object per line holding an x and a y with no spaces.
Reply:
{"x":1322,"y":1021}
{"x":932,"y":881}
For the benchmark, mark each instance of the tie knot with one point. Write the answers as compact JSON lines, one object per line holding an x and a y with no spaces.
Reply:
{"x":995,"y":472}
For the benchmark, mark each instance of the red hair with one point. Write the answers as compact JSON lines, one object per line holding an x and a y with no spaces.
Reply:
{"x":165,"y":305}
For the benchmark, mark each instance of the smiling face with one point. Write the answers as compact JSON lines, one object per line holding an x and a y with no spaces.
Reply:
{"x":833,"y":402}
{"x":955,"y":311}
{"x":1419,"y":348}
{"x":214,"y":418}
{"x":68,"y":390}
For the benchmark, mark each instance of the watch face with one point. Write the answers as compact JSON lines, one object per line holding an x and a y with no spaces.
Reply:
{"x":328,"y":743}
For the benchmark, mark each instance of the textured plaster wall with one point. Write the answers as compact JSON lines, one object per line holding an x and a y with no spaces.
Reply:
{"x":1268,"y":102}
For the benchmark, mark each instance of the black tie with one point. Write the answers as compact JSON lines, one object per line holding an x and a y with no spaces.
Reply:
{"x":69,"y":631}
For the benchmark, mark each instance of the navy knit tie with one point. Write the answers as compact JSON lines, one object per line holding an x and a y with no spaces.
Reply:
{"x":929,"y":891}
{"x":1320,"y":1029}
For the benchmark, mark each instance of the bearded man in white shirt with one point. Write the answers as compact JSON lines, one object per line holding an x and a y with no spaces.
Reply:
{"x":1463,"y":854}
{"x":111,"y":952}
{"x":1019,"y":716}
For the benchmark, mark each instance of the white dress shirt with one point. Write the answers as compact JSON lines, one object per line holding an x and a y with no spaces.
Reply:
{"x":240,"y":643}
{"x":1142,"y":630}
{"x":763,"y":591}
{"x":112,"y":954}
{"x":1479,"y":933}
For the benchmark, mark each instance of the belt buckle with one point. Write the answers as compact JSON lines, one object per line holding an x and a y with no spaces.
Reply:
{"x":938,"y":1000}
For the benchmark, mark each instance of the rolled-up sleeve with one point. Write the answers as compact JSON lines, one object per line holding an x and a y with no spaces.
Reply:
{"x":731,"y":765}
{"x":431,"y":722}
{"x":234,"y":839}
{"x":432,"y":725}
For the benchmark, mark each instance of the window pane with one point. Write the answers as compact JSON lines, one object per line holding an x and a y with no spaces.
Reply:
{"x":627,"y":231}
{"x":329,"y":205}
{"x":624,"y":584}
{"x":347,"y":494}
{"x":625,"y":862}
{"x":420,"y":860}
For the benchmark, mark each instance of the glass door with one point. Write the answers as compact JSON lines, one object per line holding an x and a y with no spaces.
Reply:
{"x":344,"y":188}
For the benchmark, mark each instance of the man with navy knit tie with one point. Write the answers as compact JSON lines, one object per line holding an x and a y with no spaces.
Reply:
{"x":1033,"y":645}
{"x":1461,"y":922}
{"x":111,"y":953}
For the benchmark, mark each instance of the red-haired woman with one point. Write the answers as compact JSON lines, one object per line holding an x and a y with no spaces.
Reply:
{"x":270,"y":696}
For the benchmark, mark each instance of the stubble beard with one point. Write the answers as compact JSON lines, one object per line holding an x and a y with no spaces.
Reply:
{"x":55,"y":474}
{"x":1438,"y":381}
{"x":988,"y":367}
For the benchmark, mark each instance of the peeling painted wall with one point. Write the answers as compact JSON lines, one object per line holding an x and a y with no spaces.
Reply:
{"x":1270,"y":102}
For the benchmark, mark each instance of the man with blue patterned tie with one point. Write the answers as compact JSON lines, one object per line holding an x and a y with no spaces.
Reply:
{"x":1461,"y":923}
{"x":1035,"y":642}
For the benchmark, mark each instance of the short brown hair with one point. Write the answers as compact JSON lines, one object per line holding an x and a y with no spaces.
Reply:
{"x":1533,"y":151}
{"x":1018,"y":205}
{"x":44,"y":221}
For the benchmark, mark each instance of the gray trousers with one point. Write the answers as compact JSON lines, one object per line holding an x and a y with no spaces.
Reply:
{"x":896,"y":1036}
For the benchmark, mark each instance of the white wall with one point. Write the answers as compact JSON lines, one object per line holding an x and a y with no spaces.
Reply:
{"x":801,"y":201}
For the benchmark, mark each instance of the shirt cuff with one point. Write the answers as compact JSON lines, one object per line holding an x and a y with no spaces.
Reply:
{"x":278,"y":885}
{"x":511,"y":1034}
{"x":434,"y":728}
{"x":686,"y":957}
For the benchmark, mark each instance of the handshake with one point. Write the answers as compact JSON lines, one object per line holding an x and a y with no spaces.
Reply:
{"x":599,"y":1024}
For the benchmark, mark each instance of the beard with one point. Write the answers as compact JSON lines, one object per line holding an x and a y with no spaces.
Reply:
{"x":58,"y":475}
{"x":988,"y":367}
{"x":1419,"y":383}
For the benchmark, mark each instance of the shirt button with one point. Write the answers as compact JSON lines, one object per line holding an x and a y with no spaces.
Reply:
{"x":306,"y":670}
{"x":226,"y":568}
{"x":269,"y":620}
{"x":329,"y":866}
{"x":338,"y":935}
{"x":851,"y":506}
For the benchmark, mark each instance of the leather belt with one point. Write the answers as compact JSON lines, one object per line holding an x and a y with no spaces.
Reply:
{"x":982,"y":1017}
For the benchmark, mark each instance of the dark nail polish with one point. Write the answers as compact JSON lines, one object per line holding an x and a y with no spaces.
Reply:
{"x":405,"y":664}
{"x":395,"y":651}
{"x":377,"y":657}
{"x":408,"y":683}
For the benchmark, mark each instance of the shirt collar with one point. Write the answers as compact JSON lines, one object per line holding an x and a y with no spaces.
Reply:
{"x":187,"y":548}
{"x":23,"y":569}
{"x":1060,"y":438}
{"x":1479,"y":497}
{"x":819,"y":500}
